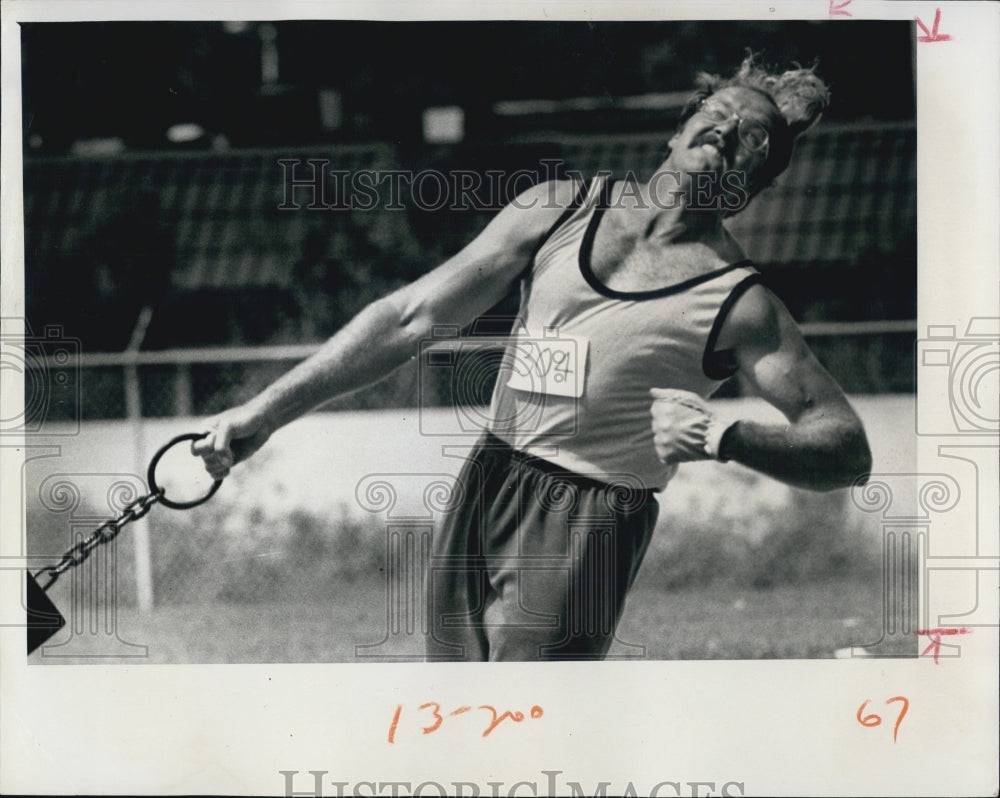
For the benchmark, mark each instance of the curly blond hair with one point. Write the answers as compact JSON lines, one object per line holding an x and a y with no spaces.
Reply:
{"x":799,"y":94}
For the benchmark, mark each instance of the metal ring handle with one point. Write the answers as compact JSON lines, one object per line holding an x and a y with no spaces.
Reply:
{"x":151,"y":475}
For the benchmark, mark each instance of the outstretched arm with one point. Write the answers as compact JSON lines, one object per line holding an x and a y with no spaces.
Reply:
{"x":388,"y":332}
{"x":823,"y":446}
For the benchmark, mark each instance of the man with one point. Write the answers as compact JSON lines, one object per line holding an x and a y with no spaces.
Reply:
{"x":647,"y":303}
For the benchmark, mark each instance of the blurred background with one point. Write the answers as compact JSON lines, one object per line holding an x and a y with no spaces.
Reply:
{"x":174,"y":239}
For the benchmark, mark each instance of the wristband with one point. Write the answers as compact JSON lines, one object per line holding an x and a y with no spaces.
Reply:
{"x":713,"y":439}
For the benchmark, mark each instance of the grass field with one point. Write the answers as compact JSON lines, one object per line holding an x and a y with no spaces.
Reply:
{"x":717,"y":622}
{"x":283,"y":564}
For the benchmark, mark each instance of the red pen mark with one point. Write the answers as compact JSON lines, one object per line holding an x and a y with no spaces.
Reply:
{"x":435,"y":709}
{"x":437,"y":715}
{"x":517,"y":717}
{"x":873,"y":719}
{"x":902,"y":713}
{"x":837,"y":9}
{"x":395,"y":723}
{"x":932,"y":35}
{"x":935,"y":636}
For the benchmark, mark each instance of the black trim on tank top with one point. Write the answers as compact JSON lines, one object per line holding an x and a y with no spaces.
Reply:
{"x":563,"y":218}
{"x":722,"y":365}
{"x":587,"y":246}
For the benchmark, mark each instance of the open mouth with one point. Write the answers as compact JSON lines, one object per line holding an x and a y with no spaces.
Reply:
{"x":714,"y":151}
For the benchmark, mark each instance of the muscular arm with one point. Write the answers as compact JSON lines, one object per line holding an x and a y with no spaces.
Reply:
{"x":823,"y":446}
{"x":388,"y":332}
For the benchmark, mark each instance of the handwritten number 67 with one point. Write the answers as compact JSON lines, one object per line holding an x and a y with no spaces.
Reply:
{"x":873,"y":719}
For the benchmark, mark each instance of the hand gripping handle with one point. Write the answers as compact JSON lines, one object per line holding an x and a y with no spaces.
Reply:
{"x":151,"y":475}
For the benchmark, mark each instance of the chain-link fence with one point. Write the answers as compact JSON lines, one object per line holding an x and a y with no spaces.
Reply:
{"x":866,"y":358}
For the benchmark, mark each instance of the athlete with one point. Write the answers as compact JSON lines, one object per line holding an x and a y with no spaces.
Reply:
{"x":646,"y":303}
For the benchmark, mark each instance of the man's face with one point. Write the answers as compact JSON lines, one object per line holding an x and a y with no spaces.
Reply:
{"x":729,"y":132}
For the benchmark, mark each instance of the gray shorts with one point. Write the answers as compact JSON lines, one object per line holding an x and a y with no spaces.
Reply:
{"x":533,"y":562}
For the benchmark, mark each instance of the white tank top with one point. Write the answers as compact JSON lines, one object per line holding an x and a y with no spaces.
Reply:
{"x":574,"y":384}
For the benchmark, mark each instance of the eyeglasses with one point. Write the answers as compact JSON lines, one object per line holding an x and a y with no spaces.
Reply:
{"x":754,"y":135}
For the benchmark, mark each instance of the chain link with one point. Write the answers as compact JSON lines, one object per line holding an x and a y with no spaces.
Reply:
{"x":105,"y":533}
{"x":133,"y":511}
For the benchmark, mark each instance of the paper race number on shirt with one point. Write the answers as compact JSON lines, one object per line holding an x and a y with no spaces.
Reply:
{"x":554,"y":365}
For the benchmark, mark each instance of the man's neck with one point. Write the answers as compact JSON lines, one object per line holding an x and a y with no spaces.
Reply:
{"x":672,"y":213}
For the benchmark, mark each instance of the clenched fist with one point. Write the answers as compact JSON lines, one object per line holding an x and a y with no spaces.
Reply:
{"x":684,"y":428}
{"x":230,"y":438}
